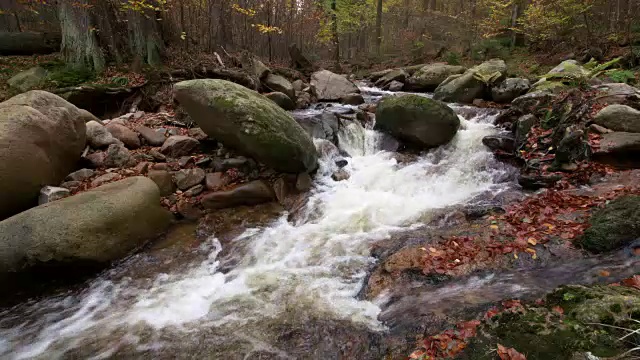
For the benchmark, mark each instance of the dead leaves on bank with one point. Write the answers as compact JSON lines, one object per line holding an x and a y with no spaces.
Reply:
{"x":509,"y":354}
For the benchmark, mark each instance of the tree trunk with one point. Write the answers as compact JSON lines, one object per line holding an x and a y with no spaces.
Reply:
{"x":379,"y":28}
{"x":334,"y":30}
{"x":145,"y":38}
{"x":79,"y":42}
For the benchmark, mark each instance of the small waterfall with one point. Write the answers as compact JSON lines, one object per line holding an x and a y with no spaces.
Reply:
{"x":289,"y":271}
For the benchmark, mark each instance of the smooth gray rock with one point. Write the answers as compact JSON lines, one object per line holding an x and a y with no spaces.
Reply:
{"x":52,"y":193}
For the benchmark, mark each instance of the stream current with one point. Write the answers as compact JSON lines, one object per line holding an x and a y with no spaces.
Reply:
{"x":289,"y":272}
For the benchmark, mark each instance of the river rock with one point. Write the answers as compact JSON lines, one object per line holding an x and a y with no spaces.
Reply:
{"x":194,"y":191}
{"x":394,"y":86}
{"x":215,"y":181}
{"x":617,"y":93}
{"x":117,"y":156}
{"x":188,"y":178}
{"x":128,"y":137}
{"x":510,"y":89}
{"x":532,"y":101}
{"x":430,"y":76}
{"x":151,"y":136}
{"x":398,"y":75}
{"x":253,"y":193}
{"x":340,"y":175}
{"x":417,"y":121}
{"x":52,"y":193}
{"x":614,"y":226}
{"x":28,"y":79}
{"x":352,"y":99}
{"x":249,"y":122}
{"x":331,"y":87}
{"x":106,"y":178}
{"x":164,"y":181}
{"x":618,"y":148}
{"x":282,"y":100}
{"x":535,"y":182}
{"x":198,"y":134}
{"x":279,"y":84}
{"x":96,"y":159}
{"x":619,"y":118}
{"x":319,"y":126}
{"x":473,"y":83}
{"x":98,"y":136}
{"x":522,"y":128}
{"x":42,"y":137}
{"x":500,"y":143}
{"x":178,"y":145}
{"x":568,"y":71}
{"x":80,"y":175}
{"x":96,"y":226}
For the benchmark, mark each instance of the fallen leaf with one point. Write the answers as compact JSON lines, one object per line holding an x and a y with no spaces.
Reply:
{"x":532,"y":241}
{"x":604,"y":273}
{"x":509,"y":354}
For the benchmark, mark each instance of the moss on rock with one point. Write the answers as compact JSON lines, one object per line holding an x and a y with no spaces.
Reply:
{"x":614,"y":226}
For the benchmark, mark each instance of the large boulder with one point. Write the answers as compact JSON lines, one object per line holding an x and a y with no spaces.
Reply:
{"x":558,"y":79}
{"x":96,"y":226}
{"x":473,"y":83}
{"x":249,"y":122}
{"x":430,"y":76}
{"x":614,"y":226}
{"x":41,"y":139}
{"x":331,"y":87}
{"x":617,"y":93}
{"x":28,"y":79}
{"x":282,"y":100}
{"x":278,"y":83}
{"x":619,"y":118}
{"x":510,"y":89}
{"x":418,"y":121}
{"x":619,"y":148}
{"x":320,"y":126}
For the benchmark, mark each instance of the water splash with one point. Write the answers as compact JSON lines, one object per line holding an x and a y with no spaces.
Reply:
{"x":312,"y":267}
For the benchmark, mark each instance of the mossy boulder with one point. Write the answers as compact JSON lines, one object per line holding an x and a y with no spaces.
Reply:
{"x":96,"y":226}
{"x":430,"y":76}
{"x":417,"y":121}
{"x":473,"y":84}
{"x":568,"y":73}
{"x":249,"y":122}
{"x":28,"y":79}
{"x":566,"y":324}
{"x":614,"y":226}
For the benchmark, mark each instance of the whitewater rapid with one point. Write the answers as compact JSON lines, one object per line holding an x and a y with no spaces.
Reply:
{"x":313,"y":266}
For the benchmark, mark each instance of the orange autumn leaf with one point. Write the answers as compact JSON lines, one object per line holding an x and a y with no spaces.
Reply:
{"x":509,"y":354}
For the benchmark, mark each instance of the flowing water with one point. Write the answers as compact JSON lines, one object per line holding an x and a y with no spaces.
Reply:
{"x":289,"y":272}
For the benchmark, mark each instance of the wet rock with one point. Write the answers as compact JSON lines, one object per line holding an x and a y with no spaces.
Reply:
{"x":394,"y":86}
{"x":188,"y":178}
{"x":341,"y":163}
{"x":340,"y":175}
{"x":177,"y":145}
{"x":42,"y":137}
{"x":387,"y":142}
{"x":510,"y":89}
{"x":194,"y":191}
{"x":320,"y":126}
{"x":253,"y":193}
{"x":245,"y":120}
{"x":277,"y":83}
{"x":98,"y":136}
{"x":397,"y":75}
{"x":164,"y":180}
{"x":298,"y":85}
{"x":115,"y":219}
{"x":28,"y":79}
{"x":80,"y":175}
{"x":532,"y":101}
{"x":128,"y":137}
{"x":215,"y":181}
{"x":417,"y":121}
{"x":303,"y":182}
{"x":430,"y":76}
{"x":535,"y":182}
{"x":500,"y":143}
{"x":619,"y":118}
{"x":97,"y":159}
{"x":280,"y":189}
{"x":523,"y":126}
{"x":117,"y":156}
{"x":473,"y":83}
{"x":303,"y":100}
{"x":331,"y":87}
{"x":151,"y":136}
{"x":352,"y":99}
{"x":103,"y":179}
{"x":282,"y":100}
{"x":52,"y":193}
{"x":189,"y":210}
{"x":197,"y":134}
{"x":614,"y":226}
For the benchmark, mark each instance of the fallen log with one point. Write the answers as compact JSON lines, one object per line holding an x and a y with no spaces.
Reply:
{"x":29,"y":43}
